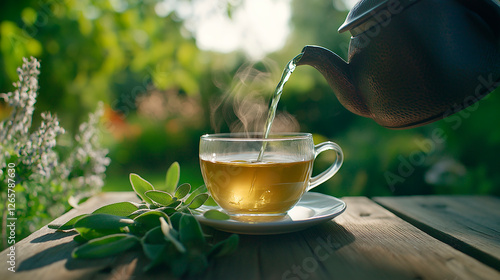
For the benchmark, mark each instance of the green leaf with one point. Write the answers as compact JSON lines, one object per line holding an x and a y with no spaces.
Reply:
{"x":149,"y":220}
{"x":197,"y":264}
{"x":182,"y":190}
{"x":154,"y":236}
{"x":201,"y":189}
{"x":175,"y":203}
{"x":211,"y":202}
{"x":172,"y":177}
{"x":106,"y":246}
{"x":89,"y":233}
{"x":141,"y":186}
{"x":142,"y":205}
{"x":190,"y":233}
{"x":167,"y":258}
{"x":68,"y":225}
{"x":166,"y":229}
{"x":185,"y":209}
{"x":229,"y":10}
{"x":216,"y":215}
{"x":122,"y":209}
{"x":99,"y":225}
{"x":167,"y":210}
{"x":225,"y":247}
{"x":198,"y":201}
{"x":138,"y":212}
{"x":159,"y":250}
{"x":175,"y":219}
{"x":79,"y":239}
{"x":153,"y":243}
{"x":179,"y":265}
{"x":154,"y":252}
{"x":159,"y":197}
{"x":103,"y":221}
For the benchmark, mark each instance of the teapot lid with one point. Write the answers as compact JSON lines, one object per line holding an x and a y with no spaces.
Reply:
{"x":365,"y":9}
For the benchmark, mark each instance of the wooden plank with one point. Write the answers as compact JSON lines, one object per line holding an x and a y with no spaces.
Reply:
{"x":365,"y":242}
{"x":471,"y":224}
{"x":385,"y":247}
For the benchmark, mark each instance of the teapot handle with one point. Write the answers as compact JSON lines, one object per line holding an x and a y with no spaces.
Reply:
{"x":488,"y":10}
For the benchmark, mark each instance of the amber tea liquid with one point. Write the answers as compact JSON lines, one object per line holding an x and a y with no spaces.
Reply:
{"x":241,"y":185}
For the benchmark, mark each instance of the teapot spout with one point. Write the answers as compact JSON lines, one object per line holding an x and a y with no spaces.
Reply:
{"x":338,"y":75}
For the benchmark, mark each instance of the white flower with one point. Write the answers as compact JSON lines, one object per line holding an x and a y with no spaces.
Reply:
{"x":22,"y":101}
{"x":47,"y":182}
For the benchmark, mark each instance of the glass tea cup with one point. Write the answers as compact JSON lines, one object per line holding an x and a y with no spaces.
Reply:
{"x":249,"y":175}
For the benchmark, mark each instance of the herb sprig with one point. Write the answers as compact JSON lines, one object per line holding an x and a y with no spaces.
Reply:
{"x":162,"y":225}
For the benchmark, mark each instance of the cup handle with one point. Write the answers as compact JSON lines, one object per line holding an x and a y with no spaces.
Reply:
{"x":328,"y":173}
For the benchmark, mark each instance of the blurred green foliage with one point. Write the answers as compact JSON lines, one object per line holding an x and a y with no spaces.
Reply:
{"x":159,"y":89}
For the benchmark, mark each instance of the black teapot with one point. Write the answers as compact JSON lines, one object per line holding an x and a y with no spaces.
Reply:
{"x":412,"y":62}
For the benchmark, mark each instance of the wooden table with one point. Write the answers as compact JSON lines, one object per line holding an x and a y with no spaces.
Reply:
{"x":416,"y":237}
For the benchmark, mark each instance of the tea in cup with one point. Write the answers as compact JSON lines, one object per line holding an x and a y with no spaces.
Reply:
{"x":247,"y":174}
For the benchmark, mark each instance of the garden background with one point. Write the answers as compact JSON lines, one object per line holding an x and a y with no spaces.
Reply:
{"x":162,"y":86}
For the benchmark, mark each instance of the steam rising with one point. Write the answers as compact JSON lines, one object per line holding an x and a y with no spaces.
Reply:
{"x":245,"y":103}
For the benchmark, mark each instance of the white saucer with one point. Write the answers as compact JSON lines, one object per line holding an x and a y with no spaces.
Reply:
{"x":312,"y":209}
